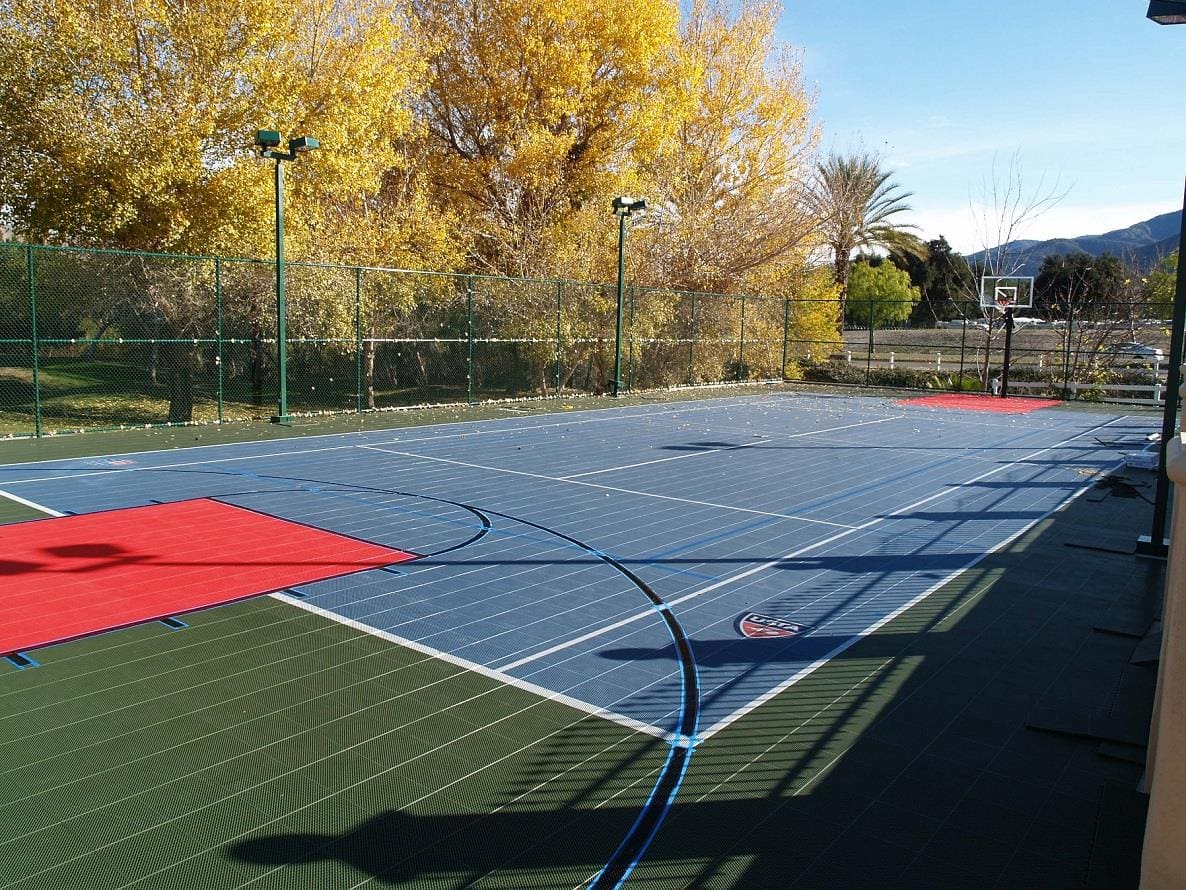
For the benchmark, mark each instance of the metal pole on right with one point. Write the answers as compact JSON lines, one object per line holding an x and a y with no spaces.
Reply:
{"x":1154,"y":544}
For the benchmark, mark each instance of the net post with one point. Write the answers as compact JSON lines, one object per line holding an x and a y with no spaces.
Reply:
{"x":741,"y":344}
{"x":630,"y":359}
{"x":963,"y":350}
{"x":692,"y":343}
{"x":869,"y":356}
{"x":358,"y":338}
{"x":559,"y":305}
{"x":786,"y":335}
{"x":469,"y":339}
{"x":1066,"y":352}
{"x":218,"y":331}
{"x":31,"y":269}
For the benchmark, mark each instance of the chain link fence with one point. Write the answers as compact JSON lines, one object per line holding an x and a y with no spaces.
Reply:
{"x":1092,"y":350}
{"x":93,"y":339}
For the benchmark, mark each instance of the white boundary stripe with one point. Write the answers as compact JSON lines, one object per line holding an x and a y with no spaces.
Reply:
{"x":645,"y":494}
{"x":570,"y":420}
{"x":800,"y":551}
{"x":27,"y":503}
{"x":761,"y":441}
{"x":877,"y":625}
{"x":492,"y":673}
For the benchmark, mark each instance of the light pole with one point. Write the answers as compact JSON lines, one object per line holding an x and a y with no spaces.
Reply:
{"x":1169,"y":12}
{"x":623,"y":207}
{"x":267,"y":143}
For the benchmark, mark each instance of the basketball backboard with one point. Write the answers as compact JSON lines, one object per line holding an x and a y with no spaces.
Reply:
{"x":1007,"y":292}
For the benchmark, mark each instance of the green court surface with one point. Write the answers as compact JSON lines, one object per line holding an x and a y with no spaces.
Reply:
{"x":265,"y":746}
{"x":213,"y":756}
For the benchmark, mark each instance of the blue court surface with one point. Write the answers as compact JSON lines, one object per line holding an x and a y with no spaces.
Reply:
{"x":667,"y":566}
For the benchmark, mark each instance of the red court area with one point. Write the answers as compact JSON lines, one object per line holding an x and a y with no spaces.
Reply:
{"x":972,"y":401}
{"x":79,"y":575}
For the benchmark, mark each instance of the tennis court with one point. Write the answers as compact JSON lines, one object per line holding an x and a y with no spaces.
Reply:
{"x":479,"y":654}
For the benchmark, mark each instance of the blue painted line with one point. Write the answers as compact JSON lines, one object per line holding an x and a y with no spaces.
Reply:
{"x":392,"y":570}
{"x":173,"y":623}
{"x":292,"y":591}
{"x":712,"y":539}
{"x":918,"y":471}
{"x":666,"y":569}
{"x":20,"y":661}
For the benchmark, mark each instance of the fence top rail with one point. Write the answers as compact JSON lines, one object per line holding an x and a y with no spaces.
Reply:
{"x":355,"y":268}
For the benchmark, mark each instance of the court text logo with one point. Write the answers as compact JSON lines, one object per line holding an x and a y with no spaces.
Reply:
{"x":762,"y":627}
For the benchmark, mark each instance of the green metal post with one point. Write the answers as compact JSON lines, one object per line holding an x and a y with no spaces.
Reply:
{"x":786,"y":335}
{"x":281,"y":306}
{"x":741,"y":375}
{"x":621,"y":300}
{"x":963,"y":347}
{"x":469,"y":339}
{"x":1066,"y":353}
{"x":358,"y":337}
{"x":31,"y":267}
{"x":218,"y":327}
{"x":559,"y":303}
{"x":630,"y":336}
{"x":869,"y":359}
{"x":692,"y":345}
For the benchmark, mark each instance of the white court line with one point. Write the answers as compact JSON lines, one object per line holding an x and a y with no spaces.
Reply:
{"x":799,"y":552}
{"x":517,"y":428}
{"x":645,"y":494}
{"x":492,"y":673}
{"x":27,"y":503}
{"x":765,"y":439}
{"x":877,"y":625}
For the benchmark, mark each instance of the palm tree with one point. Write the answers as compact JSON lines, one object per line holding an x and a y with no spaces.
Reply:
{"x":854,"y":199}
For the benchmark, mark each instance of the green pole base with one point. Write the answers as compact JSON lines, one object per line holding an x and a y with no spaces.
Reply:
{"x":282,"y":419}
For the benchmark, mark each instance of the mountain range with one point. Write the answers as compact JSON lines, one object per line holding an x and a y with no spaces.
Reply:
{"x":1141,"y":245}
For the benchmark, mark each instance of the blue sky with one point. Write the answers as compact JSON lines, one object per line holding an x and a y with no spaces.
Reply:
{"x":1089,"y":94}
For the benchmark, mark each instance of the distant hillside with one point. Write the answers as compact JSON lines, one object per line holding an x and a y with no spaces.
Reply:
{"x":1140,"y":245}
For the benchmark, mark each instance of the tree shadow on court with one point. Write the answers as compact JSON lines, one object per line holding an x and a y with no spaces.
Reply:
{"x":904,"y":763}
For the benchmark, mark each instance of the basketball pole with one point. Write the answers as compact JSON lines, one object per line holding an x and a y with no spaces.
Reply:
{"x":1008,"y":351}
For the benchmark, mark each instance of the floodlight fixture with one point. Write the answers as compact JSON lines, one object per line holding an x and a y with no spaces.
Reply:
{"x":303,"y":143}
{"x":267,"y":138}
{"x":624,"y":206}
{"x":1167,"y":12}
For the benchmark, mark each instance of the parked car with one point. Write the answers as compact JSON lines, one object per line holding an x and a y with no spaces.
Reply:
{"x":1133,"y":351}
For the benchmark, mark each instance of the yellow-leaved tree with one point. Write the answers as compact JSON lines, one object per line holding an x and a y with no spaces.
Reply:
{"x":536,"y":110}
{"x":729,"y":210}
{"x":129,"y":124}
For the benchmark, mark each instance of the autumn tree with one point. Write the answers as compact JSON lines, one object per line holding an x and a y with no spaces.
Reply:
{"x":728,"y":188}
{"x":533,"y":109}
{"x":128,"y":125}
